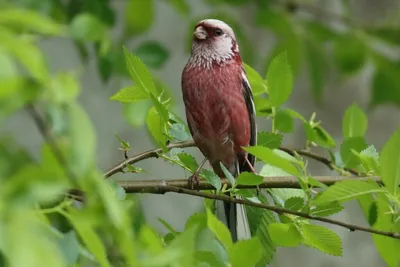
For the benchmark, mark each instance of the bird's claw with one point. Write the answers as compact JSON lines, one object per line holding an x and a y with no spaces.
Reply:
{"x":194,"y":182}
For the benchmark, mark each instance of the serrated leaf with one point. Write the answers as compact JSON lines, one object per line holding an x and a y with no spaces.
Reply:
{"x":294,"y":203}
{"x":245,"y":253}
{"x":390,"y":163}
{"x":139,"y":16}
{"x":357,"y":144}
{"x":269,"y":157}
{"x":322,"y":239}
{"x":326,"y":209}
{"x":355,"y":122}
{"x":347,"y":190}
{"x":279,"y":80}
{"x":271,"y":140}
{"x":130,"y":94}
{"x":189,"y":161}
{"x":219,"y":230}
{"x":152,"y":53}
{"x":369,"y":158}
{"x":228,"y":175}
{"x":212,"y":178}
{"x":249,"y":178}
{"x":139,"y":72}
{"x":284,"y":234}
{"x":268,"y":245}
{"x":179,"y":132}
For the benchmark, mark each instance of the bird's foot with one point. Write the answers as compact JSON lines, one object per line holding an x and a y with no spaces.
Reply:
{"x":194,"y":181}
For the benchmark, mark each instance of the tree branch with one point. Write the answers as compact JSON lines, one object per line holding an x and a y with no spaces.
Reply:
{"x":153,"y":186}
{"x":163,"y":188}
{"x":154,"y":153}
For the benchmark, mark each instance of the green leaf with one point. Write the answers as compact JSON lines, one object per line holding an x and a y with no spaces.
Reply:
{"x":385,"y":85}
{"x":152,"y":53}
{"x":317,"y":67}
{"x":283,"y":121}
{"x":355,"y":122}
{"x":136,"y":113}
{"x":249,"y":178}
{"x":347,"y":190}
{"x":181,"y":6}
{"x":390,"y":163}
{"x":369,"y":158}
{"x":268,"y":246}
{"x":69,"y":247}
{"x":89,"y":237}
{"x":188,"y":160}
{"x":373,"y":213}
{"x":387,"y":33}
{"x":357,"y":144}
{"x":322,"y":239}
{"x":83,"y":140}
{"x":27,"y":54}
{"x":245,"y":253}
{"x":279,"y":80}
{"x":64,"y":87}
{"x":130,"y":94}
{"x":284,"y":234}
{"x":275,"y":20}
{"x":293,"y":46}
{"x":270,"y":140}
{"x":212,"y":178}
{"x":323,"y":138}
{"x":294,"y":203}
{"x":179,"y":131}
{"x":386,"y":246}
{"x":258,"y":85}
{"x":269,"y":157}
{"x":139,"y":16}
{"x":25,"y":19}
{"x":219,"y":230}
{"x":227,"y":174}
{"x":85,"y":26}
{"x":139,"y":72}
{"x":326,"y":209}
{"x":156,"y":127}
{"x":349,"y":53}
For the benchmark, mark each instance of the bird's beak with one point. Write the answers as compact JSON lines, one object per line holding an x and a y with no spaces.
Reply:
{"x":200,"y":33}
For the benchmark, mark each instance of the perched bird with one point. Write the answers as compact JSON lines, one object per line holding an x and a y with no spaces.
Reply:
{"x":220,"y":110}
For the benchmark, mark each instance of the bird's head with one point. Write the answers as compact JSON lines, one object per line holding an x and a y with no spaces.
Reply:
{"x":213,"y":42}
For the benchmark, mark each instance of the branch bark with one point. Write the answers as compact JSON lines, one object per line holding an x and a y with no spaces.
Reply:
{"x":153,"y":186}
{"x":154,"y":153}
{"x":163,"y":187}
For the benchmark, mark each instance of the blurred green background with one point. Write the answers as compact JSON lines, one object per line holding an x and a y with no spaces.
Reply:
{"x":341,"y":52}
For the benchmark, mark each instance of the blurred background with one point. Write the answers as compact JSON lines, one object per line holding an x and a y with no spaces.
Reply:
{"x":341,"y":52}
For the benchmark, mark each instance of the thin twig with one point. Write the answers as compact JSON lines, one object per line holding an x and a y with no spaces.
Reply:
{"x":154,"y":153}
{"x":163,"y":187}
{"x":153,"y":186}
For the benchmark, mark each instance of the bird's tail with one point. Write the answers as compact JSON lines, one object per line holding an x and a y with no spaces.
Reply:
{"x":235,"y":217}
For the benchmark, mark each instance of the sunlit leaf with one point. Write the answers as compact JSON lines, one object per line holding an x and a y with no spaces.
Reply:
{"x":284,"y":234}
{"x":139,"y":16}
{"x":355,"y":122}
{"x":390,"y":163}
{"x":322,"y":239}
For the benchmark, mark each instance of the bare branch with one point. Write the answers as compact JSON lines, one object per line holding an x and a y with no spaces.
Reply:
{"x":154,"y":153}
{"x":163,"y":187}
{"x":153,"y":186}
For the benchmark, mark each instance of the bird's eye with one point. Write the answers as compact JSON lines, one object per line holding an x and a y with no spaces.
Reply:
{"x":218,"y":32}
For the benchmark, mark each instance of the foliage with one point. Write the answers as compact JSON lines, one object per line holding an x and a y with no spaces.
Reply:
{"x":37,"y":222}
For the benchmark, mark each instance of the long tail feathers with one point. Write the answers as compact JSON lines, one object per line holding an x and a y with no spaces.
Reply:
{"x":235,"y":217}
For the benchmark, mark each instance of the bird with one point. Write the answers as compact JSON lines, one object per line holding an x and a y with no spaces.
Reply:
{"x":220,"y":111}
